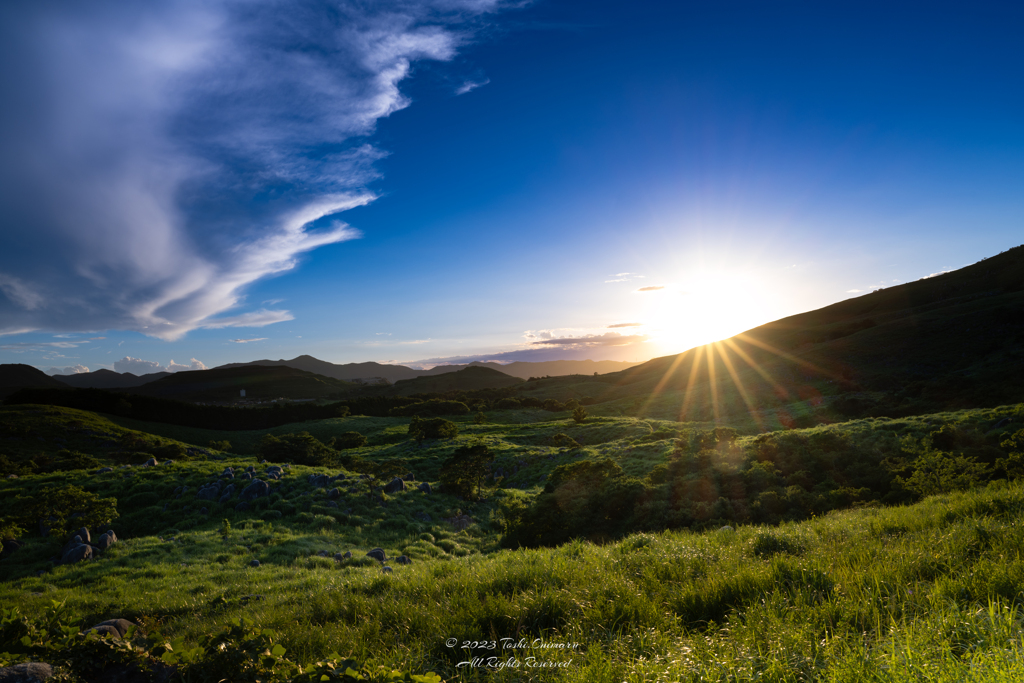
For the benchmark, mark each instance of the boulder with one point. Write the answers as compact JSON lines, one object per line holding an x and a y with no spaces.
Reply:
{"x":332,"y":503}
{"x":334,"y":494}
{"x":387,"y":570}
{"x":204,"y":511}
{"x":319,"y":480}
{"x":338,"y":557}
{"x":394,"y":486}
{"x":347,"y":555}
{"x":12,"y":476}
{"x":228,"y":492}
{"x":208,"y":492}
{"x":254,"y":563}
{"x":33,"y":672}
{"x":377,"y":554}
{"x":104,"y":469}
{"x":77,"y":554}
{"x":404,"y":559}
{"x":228,"y":475}
{"x":1002,"y":423}
{"x":150,"y":463}
{"x":168,"y":462}
{"x":425,"y":487}
{"x":10,"y":547}
{"x":84,"y":533}
{"x":256,"y":489}
{"x":119,"y":625}
{"x":104,"y":631}
{"x":242,"y":507}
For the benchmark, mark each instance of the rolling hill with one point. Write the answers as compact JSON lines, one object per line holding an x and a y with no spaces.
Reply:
{"x":951,"y":341}
{"x":14,"y":376}
{"x":108,"y":379}
{"x":471,"y":378}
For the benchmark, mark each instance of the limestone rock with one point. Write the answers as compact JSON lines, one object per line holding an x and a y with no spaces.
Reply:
{"x":425,"y":487}
{"x":377,"y":554}
{"x":394,"y":486}
{"x":256,"y":489}
{"x":33,"y":672}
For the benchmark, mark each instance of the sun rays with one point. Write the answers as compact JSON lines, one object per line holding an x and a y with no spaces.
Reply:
{"x":743,"y":370}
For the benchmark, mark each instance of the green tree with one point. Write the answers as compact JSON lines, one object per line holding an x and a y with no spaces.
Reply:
{"x":935,"y":471}
{"x":463,"y":473}
{"x":579,"y":414}
{"x":224,"y":445}
{"x":347,"y":440}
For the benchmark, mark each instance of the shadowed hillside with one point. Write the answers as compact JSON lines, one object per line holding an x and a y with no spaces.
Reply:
{"x":108,"y":379}
{"x":259,"y":382}
{"x":14,"y":376}
{"x":951,"y":341}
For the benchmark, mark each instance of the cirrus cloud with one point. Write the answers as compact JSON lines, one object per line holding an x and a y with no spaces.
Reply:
{"x":160,"y":157}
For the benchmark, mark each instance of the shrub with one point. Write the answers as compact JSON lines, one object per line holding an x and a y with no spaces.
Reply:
{"x":302,"y":449}
{"x":69,"y":507}
{"x":434,"y":406}
{"x":347,"y":440}
{"x":436,"y":428}
{"x":579,"y":414}
{"x":564,"y":441}
{"x":221,"y":445}
{"x":508,"y":404}
{"x":553,"y":405}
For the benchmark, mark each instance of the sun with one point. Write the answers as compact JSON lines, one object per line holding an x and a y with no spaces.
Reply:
{"x":706,"y":306}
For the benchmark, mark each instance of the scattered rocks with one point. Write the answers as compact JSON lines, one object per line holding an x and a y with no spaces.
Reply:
{"x":347,"y":555}
{"x":319,"y":480}
{"x":323,"y":553}
{"x":10,"y":547}
{"x":228,"y":492}
{"x":83,"y":532}
{"x":404,"y":559}
{"x":150,"y":463}
{"x":106,"y":540}
{"x":425,"y":487}
{"x":254,"y":563}
{"x":103,"y":470}
{"x":168,"y":462}
{"x":1002,"y":423}
{"x":332,"y":503}
{"x":257,"y":489}
{"x":76,"y":553}
{"x":338,"y":557}
{"x":334,"y":494}
{"x":725,"y":528}
{"x":387,"y":570}
{"x":208,"y":492}
{"x":377,"y":554}
{"x":33,"y":672}
{"x":394,"y":486}
{"x":12,"y":476}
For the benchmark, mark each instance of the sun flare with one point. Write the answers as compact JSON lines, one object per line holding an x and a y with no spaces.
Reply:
{"x":706,"y":306}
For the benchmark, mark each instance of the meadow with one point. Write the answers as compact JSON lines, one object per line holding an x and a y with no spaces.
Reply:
{"x":927,"y":589}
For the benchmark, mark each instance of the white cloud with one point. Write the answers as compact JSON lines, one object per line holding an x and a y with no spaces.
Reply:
{"x":652,"y":288}
{"x":467,"y":86}
{"x":73,"y":370}
{"x":137,"y":366}
{"x":136,"y":135}
{"x":854,"y":291}
{"x":246,"y":341}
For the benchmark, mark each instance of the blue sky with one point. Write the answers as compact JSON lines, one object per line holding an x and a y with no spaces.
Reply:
{"x":471,"y":179}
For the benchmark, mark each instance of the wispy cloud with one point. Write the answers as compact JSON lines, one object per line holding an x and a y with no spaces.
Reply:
{"x":246,"y":341}
{"x":854,"y":291}
{"x":612,"y":327}
{"x":135,"y":137}
{"x":607,"y":339}
{"x":27,"y":346}
{"x":653,"y":288}
{"x":471,"y":85}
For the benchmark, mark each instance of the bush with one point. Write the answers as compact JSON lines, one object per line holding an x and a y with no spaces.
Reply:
{"x":69,"y":507}
{"x":347,"y":440}
{"x":564,"y":441}
{"x":436,"y":428}
{"x":302,"y":449}
{"x":553,"y":405}
{"x":508,"y":404}
{"x":221,"y":445}
{"x":579,"y":414}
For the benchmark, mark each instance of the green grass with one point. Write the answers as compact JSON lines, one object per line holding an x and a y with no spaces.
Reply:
{"x":932,"y":591}
{"x":927,"y":592}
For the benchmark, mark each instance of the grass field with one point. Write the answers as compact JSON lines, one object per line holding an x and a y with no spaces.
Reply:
{"x":930,"y":591}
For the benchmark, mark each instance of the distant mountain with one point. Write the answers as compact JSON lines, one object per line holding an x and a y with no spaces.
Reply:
{"x":550,"y":368}
{"x":395,"y":373}
{"x":108,"y":379}
{"x":258,"y":382}
{"x":467,"y":379}
{"x":347,"y":371}
{"x":14,"y":376}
